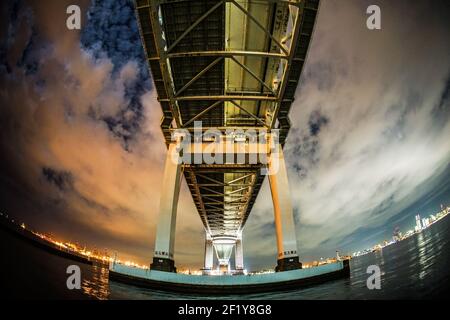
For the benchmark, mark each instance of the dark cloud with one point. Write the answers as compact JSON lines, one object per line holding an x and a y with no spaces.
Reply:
{"x":112,"y":32}
{"x":316,"y":122}
{"x":29,"y":59}
{"x":15,"y":32}
{"x":442,"y":110}
{"x":444,"y":100}
{"x":63,"y":180}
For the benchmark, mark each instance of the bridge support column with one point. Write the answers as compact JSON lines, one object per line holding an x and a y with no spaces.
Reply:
{"x":238,"y":255}
{"x":284,"y":217}
{"x":209,"y":254}
{"x":165,"y":230}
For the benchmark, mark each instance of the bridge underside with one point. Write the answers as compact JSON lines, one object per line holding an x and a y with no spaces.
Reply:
{"x":224,"y":65}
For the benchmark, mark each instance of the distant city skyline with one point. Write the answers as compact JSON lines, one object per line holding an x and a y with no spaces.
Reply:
{"x":421,"y":223}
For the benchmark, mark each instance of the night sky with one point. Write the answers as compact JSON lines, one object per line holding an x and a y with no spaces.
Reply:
{"x":82,"y":152}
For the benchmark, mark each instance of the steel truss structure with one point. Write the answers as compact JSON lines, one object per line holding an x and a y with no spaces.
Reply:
{"x":227,"y":64}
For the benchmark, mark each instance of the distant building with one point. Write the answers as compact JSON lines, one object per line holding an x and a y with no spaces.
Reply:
{"x":397,"y":235}
{"x":418,"y":224}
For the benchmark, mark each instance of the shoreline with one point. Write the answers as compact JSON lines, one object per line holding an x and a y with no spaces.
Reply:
{"x":30,"y":238}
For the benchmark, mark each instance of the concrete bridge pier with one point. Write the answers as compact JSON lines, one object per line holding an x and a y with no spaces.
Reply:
{"x":283,"y":212}
{"x":163,"y":259}
{"x":209,"y":254}
{"x":239,"y":255}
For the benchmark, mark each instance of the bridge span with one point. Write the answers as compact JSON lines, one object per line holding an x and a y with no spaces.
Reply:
{"x":227,"y":69}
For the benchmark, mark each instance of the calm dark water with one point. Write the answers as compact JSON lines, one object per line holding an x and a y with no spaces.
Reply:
{"x":416,"y":268}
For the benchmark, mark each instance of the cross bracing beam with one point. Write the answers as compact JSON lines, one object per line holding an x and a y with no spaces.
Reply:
{"x":197,"y":76}
{"x":240,"y":178}
{"x":238,"y":190}
{"x":221,"y":195}
{"x":236,"y":204}
{"x":230,"y":183}
{"x":212,"y":206}
{"x":188,"y":30}
{"x":249,"y":71}
{"x":227,"y":54}
{"x":213,"y":191}
{"x":248,"y":113}
{"x":227,"y":97}
{"x":235,"y":200}
{"x":290,"y":2}
{"x":212,"y":201}
{"x":215,"y":184}
{"x":198,"y":115}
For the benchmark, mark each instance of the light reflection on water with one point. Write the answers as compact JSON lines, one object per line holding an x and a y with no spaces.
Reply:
{"x":415,"y":268}
{"x":96,"y":283}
